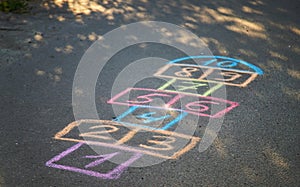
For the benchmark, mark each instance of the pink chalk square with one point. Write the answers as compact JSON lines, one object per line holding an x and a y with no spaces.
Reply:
{"x":98,"y":160}
{"x":194,"y":104}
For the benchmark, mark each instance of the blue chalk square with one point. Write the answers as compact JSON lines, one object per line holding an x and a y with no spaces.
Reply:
{"x":152,"y":118}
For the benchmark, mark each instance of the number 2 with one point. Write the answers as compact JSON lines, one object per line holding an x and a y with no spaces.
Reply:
{"x":95,"y":134}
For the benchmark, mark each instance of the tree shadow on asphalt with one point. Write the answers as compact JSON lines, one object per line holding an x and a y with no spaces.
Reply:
{"x":265,"y":33}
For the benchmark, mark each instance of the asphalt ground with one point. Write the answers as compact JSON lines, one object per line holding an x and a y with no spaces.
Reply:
{"x":258,"y":144}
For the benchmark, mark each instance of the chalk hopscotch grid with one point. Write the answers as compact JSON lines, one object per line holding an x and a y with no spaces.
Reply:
{"x":115,"y":173}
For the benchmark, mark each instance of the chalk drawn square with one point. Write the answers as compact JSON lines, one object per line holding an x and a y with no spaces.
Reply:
{"x":98,"y":160}
{"x":158,"y":138}
{"x":206,"y":74}
{"x":192,"y":104}
{"x":190,"y":87}
{"x":159,"y":119}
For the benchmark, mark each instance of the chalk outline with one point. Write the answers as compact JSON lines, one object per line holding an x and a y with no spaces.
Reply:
{"x":217,"y":115}
{"x":113,"y":174}
{"x":193,"y":140}
{"x":255,"y":68}
{"x":166,"y":67}
{"x":133,"y":108}
{"x":206,"y":93}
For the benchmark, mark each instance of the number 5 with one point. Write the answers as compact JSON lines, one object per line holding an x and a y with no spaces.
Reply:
{"x":147,"y":98}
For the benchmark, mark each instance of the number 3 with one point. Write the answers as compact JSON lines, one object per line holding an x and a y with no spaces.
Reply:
{"x":165,"y":144}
